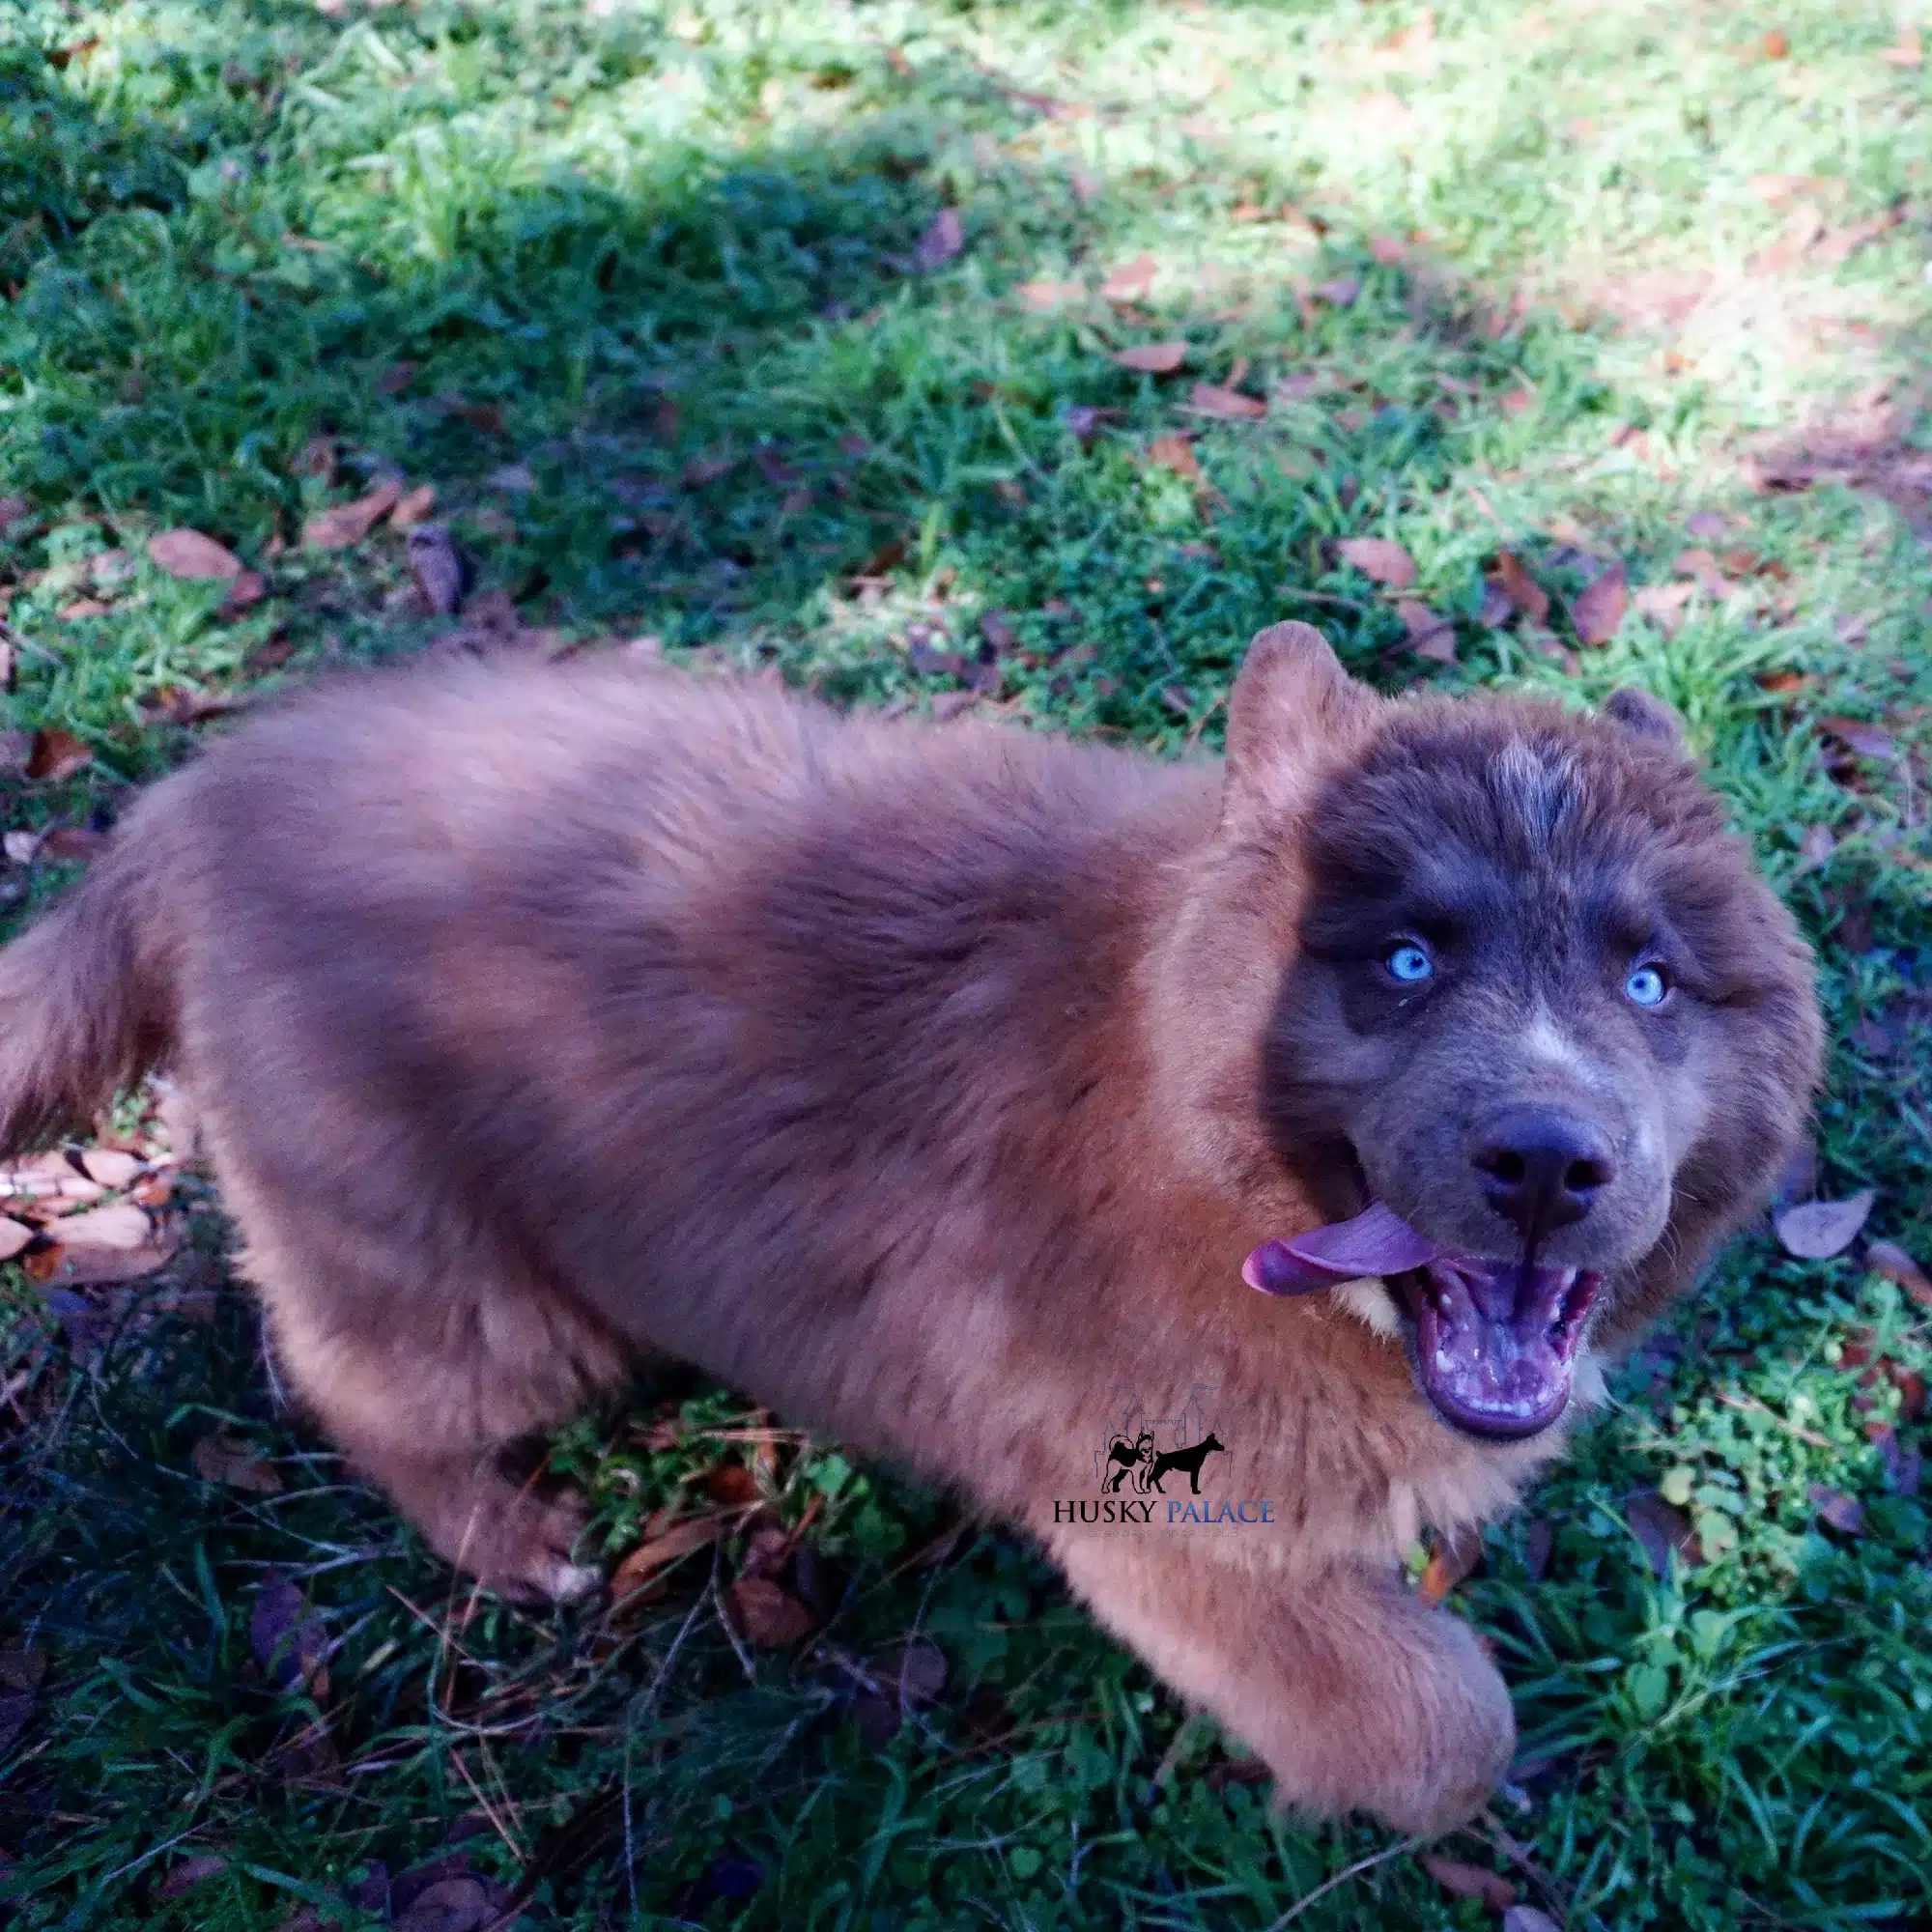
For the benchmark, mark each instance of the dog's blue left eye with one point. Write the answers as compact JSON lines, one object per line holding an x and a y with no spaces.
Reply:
{"x":1646,"y":986}
{"x":1410,"y":964}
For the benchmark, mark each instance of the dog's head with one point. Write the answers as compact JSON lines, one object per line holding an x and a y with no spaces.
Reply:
{"x":1540,"y":1031}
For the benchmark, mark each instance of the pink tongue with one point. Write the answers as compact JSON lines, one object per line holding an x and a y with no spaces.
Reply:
{"x":1377,"y":1242}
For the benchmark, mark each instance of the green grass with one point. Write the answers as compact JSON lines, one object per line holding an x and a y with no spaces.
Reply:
{"x":663,"y":259}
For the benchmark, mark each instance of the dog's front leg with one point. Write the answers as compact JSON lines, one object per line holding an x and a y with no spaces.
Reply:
{"x":1357,"y":1696}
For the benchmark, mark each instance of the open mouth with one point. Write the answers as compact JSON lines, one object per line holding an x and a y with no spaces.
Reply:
{"x":1496,"y":1340}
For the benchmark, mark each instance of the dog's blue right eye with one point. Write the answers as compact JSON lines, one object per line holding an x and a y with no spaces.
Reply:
{"x":1408,"y":963}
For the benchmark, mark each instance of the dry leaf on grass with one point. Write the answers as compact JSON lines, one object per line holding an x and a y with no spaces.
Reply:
{"x":123,"y":1226}
{"x":189,"y":1873}
{"x":1520,"y":587}
{"x":412,"y":508}
{"x":437,"y":568}
{"x":642,"y":1566}
{"x":1451,"y":1558}
{"x":1867,"y":740}
{"x":767,"y":1615}
{"x":67,"y":1264}
{"x":14,"y":1237}
{"x":1341,"y":292}
{"x":1821,"y":1228}
{"x":1429,"y":636}
{"x":56,"y":754}
{"x":1845,"y":1513}
{"x":940,"y":242}
{"x":190,"y":555}
{"x":1209,"y":399}
{"x":1528,"y":1919}
{"x":1889,"y":1260}
{"x":1775,"y":45}
{"x":83,"y":606}
{"x":348,"y":523}
{"x":1152,"y":358}
{"x":1465,"y":1880}
{"x":1662,"y":1527}
{"x":1172,"y":452}
{"x":244,"y":591}
{"x":288,"y":1641}
{"x":237,"y":1465}
{"x":1044,"y":296}
{"x":1131,"y":281}
{"x":1597,"y":609}
{"x":1378,"y":557}
{"x":459,"y":1904}
{"x":1909,"y":50}
{"x":1664,"y":604}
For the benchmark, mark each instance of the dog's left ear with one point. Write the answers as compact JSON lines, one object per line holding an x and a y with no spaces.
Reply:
{"x":1645,"y":718}
{"x":1293,"y":712}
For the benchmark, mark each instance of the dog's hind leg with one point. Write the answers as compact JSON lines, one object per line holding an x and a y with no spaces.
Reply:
{"x":429,"y":1356}
{"x":1356,"y":1695}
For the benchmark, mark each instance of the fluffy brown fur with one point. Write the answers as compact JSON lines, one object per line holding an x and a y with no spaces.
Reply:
{"x":932,"y":1085}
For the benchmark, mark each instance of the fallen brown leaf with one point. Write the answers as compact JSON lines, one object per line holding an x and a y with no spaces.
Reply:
{"x":1520,"y":587}
{"x":1702,"y":566}
{"x":1889,"y":1260}
{"x":412,"y":506}
{"x":395,"y":378}
{"x":122,"y":1225}
{"x":1775,"y":45}
{"x":765,"y":1614}
{"x":1906,"y":51}
{"x":461,"y":1903}
{"x":1380,"y":558}
{"x":348,"y":523}
{"x":437,"y":567}
{"x":940,"y":242}
{"x":1172,"y":452}
{"x":1341,"y":292}
{"x":288,"y":1641}
{"x":237,"y":1465}
{"x":643,"y":1563}
{"x":1598,"y":610}
{"x":1528,"y":1919}
{"x":1664,"y":604}
{"x":1152,"y":358}
{"x":1662,"y":1527}
{"x":1821,"y":1228}
{"x":1131,"y":281}
{"x":66,"y":1263}
{"x":1845,"y":1513}
{"x":1465,"y":1881}
{"x":246,"y":590}
{"x":83,"y":606}
{"x":1429,"y":636}
{"x":14,"y":1237}
{"x":56,"y":754}
{"x":189,"y":1873}
{"x":1868,"y":740}
{"x":192,"y":554}
{"x":1207,"y":399}
{"x":1387,"y":249}
{"x":1708,"y":525}
{"x":1815,"y":847}
{"x":1042,"y":296}
{"x":1451,"y":1558}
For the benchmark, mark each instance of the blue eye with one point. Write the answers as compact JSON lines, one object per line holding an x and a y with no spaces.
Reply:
{"x":1408,"y":963}
{"x":1646,"y":986}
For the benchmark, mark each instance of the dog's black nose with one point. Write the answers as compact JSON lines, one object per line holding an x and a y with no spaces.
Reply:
{"x":1542,"y":1167}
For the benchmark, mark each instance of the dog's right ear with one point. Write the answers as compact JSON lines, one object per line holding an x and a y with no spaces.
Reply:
{"x":1294,"y":710}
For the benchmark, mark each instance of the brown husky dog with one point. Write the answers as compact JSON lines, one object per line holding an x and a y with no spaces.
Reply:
{"x":954,"y":1091}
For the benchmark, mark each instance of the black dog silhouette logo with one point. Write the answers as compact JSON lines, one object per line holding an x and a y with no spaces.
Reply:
{"x":1141,"y":1454}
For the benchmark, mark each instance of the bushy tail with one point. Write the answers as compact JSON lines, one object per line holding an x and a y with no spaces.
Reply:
{"x":84,"y":1007}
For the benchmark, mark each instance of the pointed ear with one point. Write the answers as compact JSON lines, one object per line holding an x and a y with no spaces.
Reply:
{"x":1291,"y":710}
{"x":1645,"y":718}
